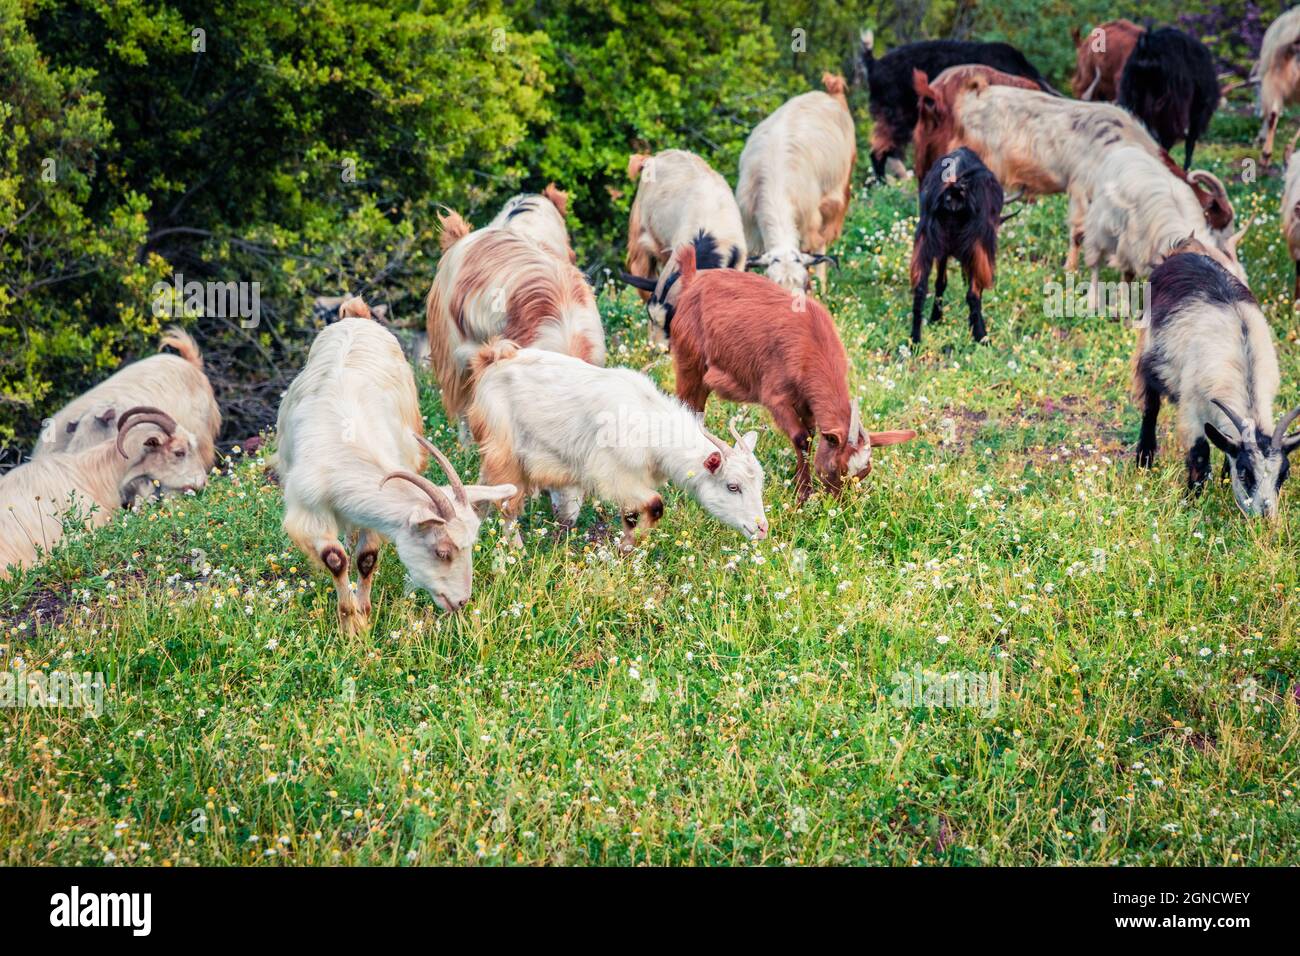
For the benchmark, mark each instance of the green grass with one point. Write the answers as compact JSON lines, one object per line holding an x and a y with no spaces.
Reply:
{"x":705,"y":700}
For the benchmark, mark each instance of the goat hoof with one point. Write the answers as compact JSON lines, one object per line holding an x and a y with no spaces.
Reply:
{"x":1146,"y":459}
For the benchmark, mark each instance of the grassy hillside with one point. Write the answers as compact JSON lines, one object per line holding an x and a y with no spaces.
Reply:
{"x":706,"y":700}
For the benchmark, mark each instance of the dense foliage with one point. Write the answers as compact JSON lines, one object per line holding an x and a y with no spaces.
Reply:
{"x":305,"y":147}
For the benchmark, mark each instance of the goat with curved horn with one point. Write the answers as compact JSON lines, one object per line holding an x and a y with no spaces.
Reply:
{"x":143,"y":415}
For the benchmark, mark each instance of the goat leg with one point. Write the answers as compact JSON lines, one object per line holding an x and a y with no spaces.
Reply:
{"x":318,"y":538}
{"x":1146,"y":451}
{"x":1270,"y":127}
{"x":940,"y":287}
{"x":975,"y":302}
{"x":920,"y":284}
{"x":1198,"y":465}
{"x":366,"y":558}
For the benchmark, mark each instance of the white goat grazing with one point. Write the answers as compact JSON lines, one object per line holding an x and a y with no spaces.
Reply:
{"x":1140,"y":212}
{"x":174,"y":382}
{"x":795,"y":183}
{"x":89,"y":485}
{"x":492,"y":282}
{"x":543,"y":419}
{"x":679,"y":199}
{"x":1209,"y":348}
{"x":1277,"y":71}
{"x":1291,"y":218}
{"x":349,"y":423}
{"x":540,"y":219}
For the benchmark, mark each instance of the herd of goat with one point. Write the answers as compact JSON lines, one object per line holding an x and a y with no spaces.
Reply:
{"x":517,"y":345}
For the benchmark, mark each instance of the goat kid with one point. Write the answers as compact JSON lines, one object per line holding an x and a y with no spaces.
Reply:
{"x":542,"y":419}
{"x":961,"y":211}
{"x":749,"y":340}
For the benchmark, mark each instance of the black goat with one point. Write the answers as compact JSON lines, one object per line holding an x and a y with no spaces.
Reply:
{"x":893,"y":98}
{"x":961,"y":210}
{"x":1169,"y":83}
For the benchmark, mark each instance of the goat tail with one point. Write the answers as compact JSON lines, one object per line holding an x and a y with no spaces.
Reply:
{"x":454,"y":228}
{"x":492,"y":352}
{"x":834,"y":84}
{"x":177,"y":338}
{"x":558,"y":198}
{"x":354,"y":307}
{"x":635,"y":163}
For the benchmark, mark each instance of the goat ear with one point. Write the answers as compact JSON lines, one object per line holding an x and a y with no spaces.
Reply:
{"x":423,"y":518}
{"x":1290,"y":443}
{"x":106,"y":416}
{"x":891,"y":438}
{"x":748,"y":441}
{"x":638,"y":282}
{"x":484,"y":496}
{"x":713,"y":462}
{"x":1221,"y":441}
{"x":153,"y":441}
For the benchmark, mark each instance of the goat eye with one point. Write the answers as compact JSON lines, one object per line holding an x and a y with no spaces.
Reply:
{"x":733,"y":488}
{"x":832,"y":440}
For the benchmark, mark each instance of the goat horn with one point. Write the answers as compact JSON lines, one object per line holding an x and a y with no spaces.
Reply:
{"x":1237,"y":236}
{"x":855,"y":421}
{"x":436,"y":496}
{"x":1237,"y":423}
{"x":457,"y":487}
{"x":735,"y":432}
{"x":143,"y":415}
{"x":1280,"y":432}
{"x":722,"y":445}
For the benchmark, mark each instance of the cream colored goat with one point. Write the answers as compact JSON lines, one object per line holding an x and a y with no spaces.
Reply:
{"x":350,"y":455}
{"x":795,"y":183}
{"x":174,"y":382}
{"x":88,"y":486}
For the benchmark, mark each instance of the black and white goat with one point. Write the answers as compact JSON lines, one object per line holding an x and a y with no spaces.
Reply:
{"x":1170,"y":84}
{"x":664,"y":290}
{"x":961,"y":208}
{"x":1209,"y":348}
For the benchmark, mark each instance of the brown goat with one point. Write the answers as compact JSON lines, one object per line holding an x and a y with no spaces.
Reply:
{"x":750,"y":340}
{"x":1100,"y":59}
